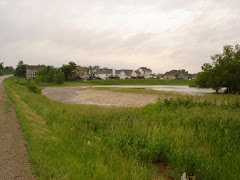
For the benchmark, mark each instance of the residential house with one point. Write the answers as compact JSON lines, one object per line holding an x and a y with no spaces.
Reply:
{"x":145,"y":72}
{"x":124,"y":74}
{"x":183,"y":76}
{"x":105,"y":73}
{"x":194,"y":76}
{"x":82,"y":73}
{"x":173,"y":74}
{"x":137,"y":74}
{"x":31,"y":71}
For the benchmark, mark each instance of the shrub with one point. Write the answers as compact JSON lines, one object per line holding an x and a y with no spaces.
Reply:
{"x":59,"y":78}
{"x":32,"y":87}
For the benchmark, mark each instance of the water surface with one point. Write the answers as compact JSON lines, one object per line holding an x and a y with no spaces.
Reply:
{"x":170,"y":88}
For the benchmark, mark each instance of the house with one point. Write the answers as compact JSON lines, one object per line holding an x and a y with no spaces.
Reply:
{"x":82,"y":73}
{"x":183,"y":76}
{"x":31,"y":71}
{"x":145,"y":72}
{"x":137,"y":74}
{"x":194,"y":76}
{"x":173,"y":74}
{"x":125,"y":73}
{"x":105,"y":73}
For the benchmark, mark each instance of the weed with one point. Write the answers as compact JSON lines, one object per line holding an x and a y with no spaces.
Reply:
{"x":198,"y":136}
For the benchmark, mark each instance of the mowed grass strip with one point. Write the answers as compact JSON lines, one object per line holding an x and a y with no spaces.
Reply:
{"x":121,"y":82}
{"x":92,"y":142}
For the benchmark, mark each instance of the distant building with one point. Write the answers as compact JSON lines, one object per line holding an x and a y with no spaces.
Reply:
{"x":194,"y":76}
{"x":82,"y":73}
{"x":145,"y":72}
{"x":31,"y":71}
{"x":173,"y":74}
{"x":125,"y":73}
{"x":137,"y":74}
{"x":104,"y":73}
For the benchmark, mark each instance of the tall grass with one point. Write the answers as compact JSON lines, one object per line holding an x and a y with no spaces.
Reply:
{"x":91,"y":142}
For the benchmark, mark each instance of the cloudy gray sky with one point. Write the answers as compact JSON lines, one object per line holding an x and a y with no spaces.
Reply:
{"x":159,"y":34}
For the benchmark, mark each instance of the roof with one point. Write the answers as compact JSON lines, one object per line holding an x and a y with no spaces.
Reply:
{"x":127,"y":71}
{"x":145,"y":69}
{"x":104,"y":71}
{"x":79,"y":68}
{"x":137,"y":72}
{"x":34,"y":67}
{"x":118,"y":71}
{"x":172,"y":72}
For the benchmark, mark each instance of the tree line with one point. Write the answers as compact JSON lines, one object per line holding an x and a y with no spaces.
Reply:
{"x":50,"y":74}
{"x":224,"y":71}
{"x":5,"y":70}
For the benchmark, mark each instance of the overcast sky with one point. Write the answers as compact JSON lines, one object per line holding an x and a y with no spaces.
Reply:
{"x":159,"y":34}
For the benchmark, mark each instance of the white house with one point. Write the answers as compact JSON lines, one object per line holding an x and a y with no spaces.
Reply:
{"x":145,"y":72}
{"x":125,"y":74}
{"x":136,"y":74}
{"x":105,"y":73}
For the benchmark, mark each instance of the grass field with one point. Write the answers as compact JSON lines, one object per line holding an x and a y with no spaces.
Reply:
{"x":123,"y":82}
{"x":67,"y":141}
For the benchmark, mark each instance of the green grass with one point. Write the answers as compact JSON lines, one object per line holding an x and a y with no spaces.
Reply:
{"x":122,"y":82}
{"x":7,"y":105}
{"x":200,"y":137}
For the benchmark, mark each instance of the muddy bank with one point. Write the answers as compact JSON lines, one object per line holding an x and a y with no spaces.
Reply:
{"x":80,"y":95}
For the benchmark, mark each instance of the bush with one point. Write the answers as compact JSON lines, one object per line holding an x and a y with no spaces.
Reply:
{"x":59,"y":78}
{"x":32,"y":87}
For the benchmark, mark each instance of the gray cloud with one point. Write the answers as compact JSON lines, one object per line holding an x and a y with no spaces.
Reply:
{"x":122,"y":34}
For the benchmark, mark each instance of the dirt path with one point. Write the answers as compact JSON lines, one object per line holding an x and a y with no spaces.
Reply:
{"x":78,"y":95}
{"x":14,"y":163}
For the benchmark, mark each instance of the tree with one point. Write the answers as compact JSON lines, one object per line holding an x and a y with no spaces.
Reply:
{"x":46,"y":74}
{"x":183,"y":71}
{"x":69,"y":70}
{"x":49,"y":74}
{"x":1,"y":65}
{"x":91,"y":67}
{"x":59,"y":78}
{"x":223,"y":72}
{"x":5,"y":70}
{"x":20,"y":70}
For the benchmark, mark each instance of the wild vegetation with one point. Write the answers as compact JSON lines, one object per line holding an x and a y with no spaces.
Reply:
{"x":67,"y":141}
{"x":5,"y":70}
{"x":20,"y":70}
{"x":49,"y":74}
{"x":223,"y":72}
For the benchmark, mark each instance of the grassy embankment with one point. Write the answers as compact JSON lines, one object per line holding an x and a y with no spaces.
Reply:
{"x":123,"y":82}
{"x":201,"y":138}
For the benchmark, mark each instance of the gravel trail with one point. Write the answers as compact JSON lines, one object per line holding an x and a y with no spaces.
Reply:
{"x":14,"y":163}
